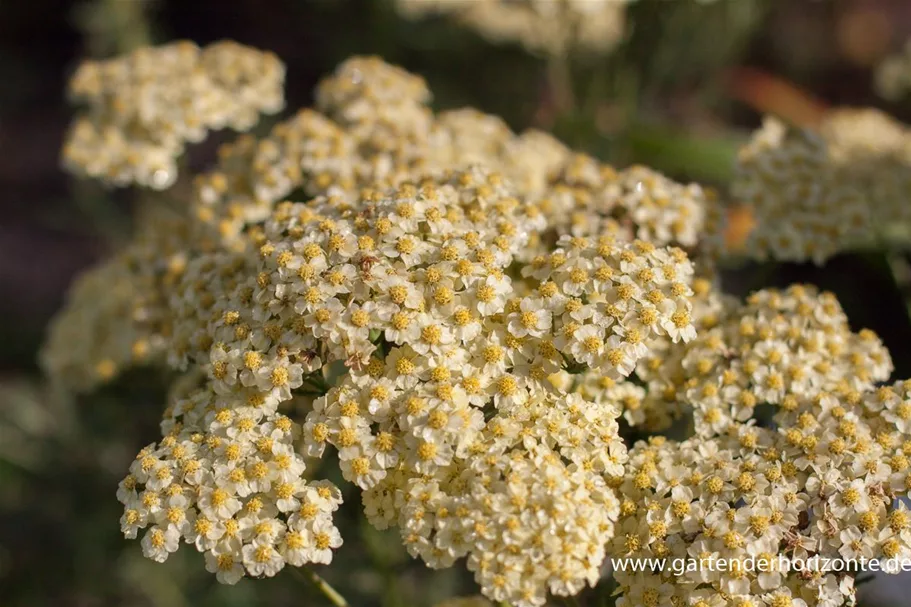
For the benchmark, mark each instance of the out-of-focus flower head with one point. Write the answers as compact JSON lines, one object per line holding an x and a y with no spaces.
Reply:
{"x":804,"y":206}
{"x":875,"y":149}
{"x":141,"y":109}
{"x":552,"y":27}
{"x":893,"y":75}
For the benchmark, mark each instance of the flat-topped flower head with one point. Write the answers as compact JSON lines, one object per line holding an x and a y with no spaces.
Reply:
{"x":805,"y":208}
{"x":553,"y":27}
{"x":142,"y":108}
{"x":457,"y":314}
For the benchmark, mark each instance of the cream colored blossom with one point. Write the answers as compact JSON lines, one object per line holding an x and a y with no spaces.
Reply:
{"x":142,"y":108}
{"x":805,"y":208}
{"x":387,"y":284}
{"x":459,"y":315}
{"x":116,"y":315}
{"x":545,"y":26}
{"x":876,"y":149}
{"x":820,"y":481}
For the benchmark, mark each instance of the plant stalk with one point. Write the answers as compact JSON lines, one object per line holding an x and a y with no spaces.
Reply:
{"x":324,"y":588}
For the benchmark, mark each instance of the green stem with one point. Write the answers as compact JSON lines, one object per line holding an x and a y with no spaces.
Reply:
{"x":901,"y":273}
{"x":315,"y":580}
{"x":559,"y":77}
{"x":675,"y":151}
{"x":317,"y":382}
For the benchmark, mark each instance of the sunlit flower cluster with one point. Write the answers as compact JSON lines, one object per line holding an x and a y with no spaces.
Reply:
{"x":141,"y":109}
{"x":458,"y":441}
{"x":543,"y":26}
{"x":638,"y":201}
{"x":651,"y":399}
{"x":798,"y":454}
{"x":235,"y":492}
{"x":779,"y":348}
{"x":468,"y":323}
{"x":400,"y":286}
{"x":377,"y":131}
{"x":445,"y":297}
{"x":319,"y":156}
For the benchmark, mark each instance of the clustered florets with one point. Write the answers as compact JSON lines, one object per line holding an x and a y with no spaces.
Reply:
{"x":545,"y":26}
{"x":400,"y":286}
{"x":142,"y":108}
{"x":234,"y":491}
{"x":804,"y":208}
{"x":821,"y":480}
{"x":648,"y":399}
{"x":875,"y":149}
{"x":466,"y":318}
{"x":359,"y":147}
{"x":376,"y":131}
{"x":816,"y":193}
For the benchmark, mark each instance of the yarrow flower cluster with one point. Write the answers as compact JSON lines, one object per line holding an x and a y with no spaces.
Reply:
{"x":450,"y":298}
{"x":780,"y":348}
{"x":804,"y":207}
{"x":543,"y":26}
{"x":234,"y":491}
{"x":815,"y":193}
{"x":820,"y":480}
{"x":875,"y":149}
{"x":365,"y":144}
{"x":118,"y":317}
{"x":648,"y":399}
{"x":378,"y":132}
{"x":142,"y":108}
{"x":432,"y":421}
{"x":468,"y":321}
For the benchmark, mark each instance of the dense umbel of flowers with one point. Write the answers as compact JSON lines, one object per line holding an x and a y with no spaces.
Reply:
{"x":464,"y":444}
{"x":876,"y":150}
{"x":648,"y":400}
{"x":461,"y":442}
{"x":822,"y":480}
{"x":142,"y":108}
{"x":814,"y":193}
{"x":554,"y":27}
{"x":377,"y":133}
{"x":463,"y":318}
{"x":804,"y":207}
